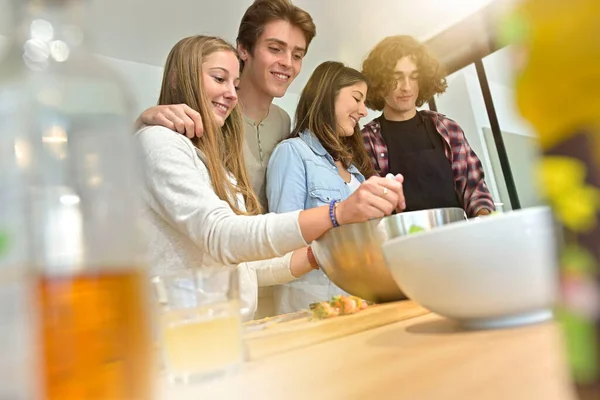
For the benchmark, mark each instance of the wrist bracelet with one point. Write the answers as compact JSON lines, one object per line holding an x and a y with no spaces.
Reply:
{"x":311,"y":258}
{"x":332,"y":206}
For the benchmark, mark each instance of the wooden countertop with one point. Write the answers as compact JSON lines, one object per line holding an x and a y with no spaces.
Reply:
{"x":426,"y":357}
{"x":301,"y":333}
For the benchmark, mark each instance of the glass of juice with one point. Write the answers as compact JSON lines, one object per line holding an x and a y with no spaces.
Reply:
{"x":200,"y":322}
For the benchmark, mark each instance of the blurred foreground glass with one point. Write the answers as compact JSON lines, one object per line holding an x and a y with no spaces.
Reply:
{"x":200,"y":322}
{"x":558,"y":91}
{"x":71,"y":276}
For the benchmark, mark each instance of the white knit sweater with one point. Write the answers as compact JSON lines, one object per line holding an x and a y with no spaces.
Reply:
{"x":187,"y":225}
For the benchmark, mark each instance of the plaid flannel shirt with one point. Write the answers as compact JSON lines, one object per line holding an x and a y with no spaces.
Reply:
{"x":469,"y":181}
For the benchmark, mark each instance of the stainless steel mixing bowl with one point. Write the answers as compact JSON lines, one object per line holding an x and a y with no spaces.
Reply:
{"x":352,"y":258}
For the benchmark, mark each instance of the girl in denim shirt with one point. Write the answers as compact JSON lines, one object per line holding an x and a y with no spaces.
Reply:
{"x":324,"y":159}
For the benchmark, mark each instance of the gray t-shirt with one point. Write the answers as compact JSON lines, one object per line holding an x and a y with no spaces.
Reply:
{"x":260,"y":142}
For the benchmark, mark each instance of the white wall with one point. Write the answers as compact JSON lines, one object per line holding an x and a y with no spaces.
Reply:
{"x":504,"y":104}
{"x":143,"y":80}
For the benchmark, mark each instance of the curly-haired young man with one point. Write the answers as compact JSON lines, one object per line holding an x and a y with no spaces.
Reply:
{"x":430,"y":150}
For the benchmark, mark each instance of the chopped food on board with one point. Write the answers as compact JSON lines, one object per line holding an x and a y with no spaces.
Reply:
{"x":324,"y":310}
{"x":338,"y":305}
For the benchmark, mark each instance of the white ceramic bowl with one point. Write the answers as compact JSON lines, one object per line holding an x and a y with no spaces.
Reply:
{"x":487,"y":272}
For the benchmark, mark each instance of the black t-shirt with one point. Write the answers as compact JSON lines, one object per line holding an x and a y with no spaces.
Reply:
{"x":407,"y":136}
{"x":416,"y":150}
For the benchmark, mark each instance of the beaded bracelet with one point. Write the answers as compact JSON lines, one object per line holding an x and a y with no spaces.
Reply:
{"x":332,"y":206}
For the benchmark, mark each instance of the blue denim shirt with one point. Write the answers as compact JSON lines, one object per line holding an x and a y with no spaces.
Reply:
{"x":301,"y":174}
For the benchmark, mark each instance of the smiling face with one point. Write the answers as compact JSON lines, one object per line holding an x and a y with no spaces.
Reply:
{"x":402,"y":100}
{"x":277,"y":58}
{"x":350,"y":108}
{"x":220,"y":78}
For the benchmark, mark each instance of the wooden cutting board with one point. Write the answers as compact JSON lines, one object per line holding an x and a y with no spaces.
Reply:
{"x":268,"y":337}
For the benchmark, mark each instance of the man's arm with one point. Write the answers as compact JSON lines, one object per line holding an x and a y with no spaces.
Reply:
{"x":177,"y":117}
{"x":477,"y":199}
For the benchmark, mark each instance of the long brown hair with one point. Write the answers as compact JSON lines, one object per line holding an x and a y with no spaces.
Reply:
{"x":316,"y":112}
{"x":223,"y":147}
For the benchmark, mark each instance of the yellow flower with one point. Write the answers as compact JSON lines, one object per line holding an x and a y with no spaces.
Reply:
{"x":575,"y":204}
{"x":576,"y":209}
{"x":558,"y":175}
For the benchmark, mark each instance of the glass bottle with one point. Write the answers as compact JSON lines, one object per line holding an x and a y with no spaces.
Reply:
{"x":69,"y":115}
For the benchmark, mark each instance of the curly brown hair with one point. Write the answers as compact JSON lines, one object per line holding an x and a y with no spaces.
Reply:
{"x":379,"y":66}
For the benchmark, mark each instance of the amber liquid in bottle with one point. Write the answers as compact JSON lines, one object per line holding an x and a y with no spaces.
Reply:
{"x":95,"y":338}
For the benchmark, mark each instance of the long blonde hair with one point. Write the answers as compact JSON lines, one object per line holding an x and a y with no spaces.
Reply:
{"x":223,"y":147}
